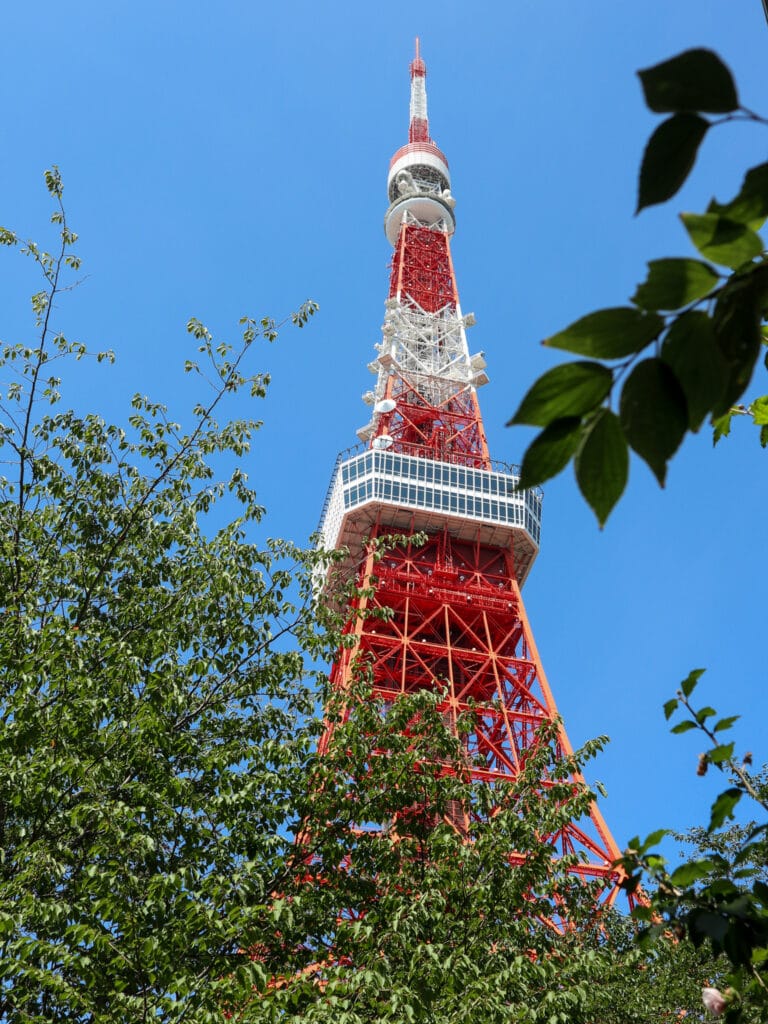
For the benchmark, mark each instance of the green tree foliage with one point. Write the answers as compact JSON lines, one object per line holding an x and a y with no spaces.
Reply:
{"x":173,"y":848}
{"x":719,"y":896}
{"x":154,"y":729}
{"x":686,"y":348}
{"x":394,"y":916}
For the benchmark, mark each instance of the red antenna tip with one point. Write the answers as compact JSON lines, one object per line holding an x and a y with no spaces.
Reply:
{"x":418,"y":67}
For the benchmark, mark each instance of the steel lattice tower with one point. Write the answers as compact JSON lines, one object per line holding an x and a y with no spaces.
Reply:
{"x":423,"y":466}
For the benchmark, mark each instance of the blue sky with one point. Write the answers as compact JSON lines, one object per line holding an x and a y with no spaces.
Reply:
{"x":228,"y":160}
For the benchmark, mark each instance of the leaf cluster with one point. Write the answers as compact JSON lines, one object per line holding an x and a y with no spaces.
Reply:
{"x":686,"y":348}
{"x":721,"y":898}
{"x":157,"y":702}
{"x":394,"y":912}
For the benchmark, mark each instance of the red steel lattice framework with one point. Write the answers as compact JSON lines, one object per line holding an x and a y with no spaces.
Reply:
{"x":457,"y":618}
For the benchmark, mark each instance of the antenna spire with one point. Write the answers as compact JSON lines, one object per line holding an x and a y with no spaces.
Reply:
{"x":418,"y":130}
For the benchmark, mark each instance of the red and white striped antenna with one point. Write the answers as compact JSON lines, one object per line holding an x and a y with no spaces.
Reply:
{"x":418,"y":130}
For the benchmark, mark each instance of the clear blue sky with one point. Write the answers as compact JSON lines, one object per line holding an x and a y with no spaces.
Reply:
{"x":231,"y":158}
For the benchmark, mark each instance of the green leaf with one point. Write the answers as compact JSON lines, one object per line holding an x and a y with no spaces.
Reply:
{"x":737,"y":323}
{"x":670,"y":707}
{"x":568,"y":390}
{"x":723,"y":752}
{"x":669,"y":157}
{"x":723,"y":807}
{"x":758,"y":410}
{"x":609,"y":333}
{"x":653,"y":839}
{"x":724,"y":241}
{"x":764,"y":437}
{"x":707,"y":924}
{"x":750,"y":206}
{"x":704,"y":713}
{"x":602,"y":464}
{"x":689,"y":683}
{"x":726,"y":723}
{"x":674,"y":283}
{"x":550,"y":451}
{"x":693,"y":80}
{"x":721,"y":426}
{"x":691,"y":352}
{"x":682,"y":727}
{"x":653,"y":414}
{"x":691,"y":872}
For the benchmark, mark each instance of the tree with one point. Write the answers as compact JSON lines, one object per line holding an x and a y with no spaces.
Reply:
{"x":157,"y":711}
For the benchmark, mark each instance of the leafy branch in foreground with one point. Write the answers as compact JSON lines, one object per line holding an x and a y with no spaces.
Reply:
{"x":720,"y":898}
{"x":156,"y":687}
{"x":686,"y":348}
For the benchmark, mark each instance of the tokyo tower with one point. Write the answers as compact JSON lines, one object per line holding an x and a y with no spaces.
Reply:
{"x":457,"y":619}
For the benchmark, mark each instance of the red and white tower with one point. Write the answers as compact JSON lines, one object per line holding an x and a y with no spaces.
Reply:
{"x":458,"y":620}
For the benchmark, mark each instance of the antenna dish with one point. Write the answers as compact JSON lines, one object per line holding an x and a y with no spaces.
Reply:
{"x":385,"y":405}
{"x":382,"y":442}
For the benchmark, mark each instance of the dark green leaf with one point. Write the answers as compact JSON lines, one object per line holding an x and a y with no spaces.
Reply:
{"x":704,"y":924}
{"x":689,"y":683}
{"x":674,"y":283}
{"x":602,"y":464}
{"x":568,"y":390}
{"x":693,"y":80}
{"x":609,"y":333}
{"x":550,"y":451}
{"x":670,"y":707}
{"x":737,"y":323}
{"x":726,"y":723}
{"x":690,"y":350}
{"x":751,"y":204}
{"x":653,"y":414}
{"x":723,"y":807}
{"x":682,"y":727}
{"x":764,"y":437}
{"x":669,"y":157}
{"x":724,"y":241}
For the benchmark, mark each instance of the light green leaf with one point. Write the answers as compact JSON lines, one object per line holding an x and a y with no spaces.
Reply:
{"x":758,"y":410}
{"x":750,"y":206}
{"x":721,"y":240}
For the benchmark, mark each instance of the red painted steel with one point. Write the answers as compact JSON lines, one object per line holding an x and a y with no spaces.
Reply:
{"x":457,"y":618}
